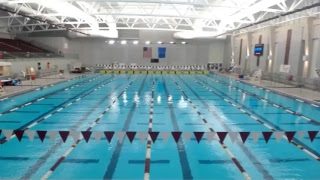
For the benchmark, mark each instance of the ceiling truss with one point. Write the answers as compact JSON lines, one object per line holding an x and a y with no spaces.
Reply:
{"x":217,"y":16}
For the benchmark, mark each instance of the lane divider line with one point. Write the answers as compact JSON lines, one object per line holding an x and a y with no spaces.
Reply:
{"x":233,"y":158}
{"x":309,"y":102}
{"x":245,"y":150}
{"x":272,"y":103}
{"x":42,"y":119}
{"x":272,"y":129}
{"x":148,"y":150}
{"x":60,"y":160}
{"x":45,"y":96}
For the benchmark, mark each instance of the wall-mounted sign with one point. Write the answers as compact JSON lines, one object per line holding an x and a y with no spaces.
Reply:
{"x":258,"y":49}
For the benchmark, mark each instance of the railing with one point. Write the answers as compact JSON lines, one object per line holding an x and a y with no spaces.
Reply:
{"x":297,"y":81}
{"x":14,"y":55}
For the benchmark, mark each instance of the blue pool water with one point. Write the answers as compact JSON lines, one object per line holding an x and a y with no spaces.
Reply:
{"x":226,"y":105}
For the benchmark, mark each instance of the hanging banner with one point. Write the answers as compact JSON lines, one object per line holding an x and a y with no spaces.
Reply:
{"x":162,"y":52}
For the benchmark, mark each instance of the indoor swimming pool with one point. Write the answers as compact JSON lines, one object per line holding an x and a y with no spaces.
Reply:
{"x":172,"y":105}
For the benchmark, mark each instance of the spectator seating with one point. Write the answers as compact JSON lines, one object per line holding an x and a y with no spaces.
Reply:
{"x":19,"y":46}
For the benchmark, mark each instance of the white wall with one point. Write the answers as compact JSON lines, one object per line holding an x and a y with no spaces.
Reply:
{"x":97,"y":51}
{"x":93,"y":51}
{"x":216,"y":51}
{"x":278,"y":37}
{"x":227,"y":52}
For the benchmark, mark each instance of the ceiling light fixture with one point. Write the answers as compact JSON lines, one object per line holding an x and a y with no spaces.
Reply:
{"x":111,"y":42}
{"x":123,"y":42}
{"x":148,"y":42}
{"x":159,"y":42}
{"x":183,"y":42}
{"x":135,"y":42}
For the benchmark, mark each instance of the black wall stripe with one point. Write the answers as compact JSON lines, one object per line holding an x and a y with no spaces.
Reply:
{"x":288,"y":46}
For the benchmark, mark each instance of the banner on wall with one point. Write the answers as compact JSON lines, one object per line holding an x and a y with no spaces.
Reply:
{"x":162,"y":52}
{"x":147,"y":52}
{"x":284,"y":68}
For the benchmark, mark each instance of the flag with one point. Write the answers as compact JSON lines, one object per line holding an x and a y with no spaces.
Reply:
{"x":147,"y":52}
{"x":162,"y":52}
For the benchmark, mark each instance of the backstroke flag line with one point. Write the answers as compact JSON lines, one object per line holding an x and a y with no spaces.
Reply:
{"x":147,"y":52}
{"x":162,"y":52}
{"x":289,"y":136}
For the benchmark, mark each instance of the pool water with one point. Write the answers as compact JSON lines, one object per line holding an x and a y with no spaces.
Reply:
{"x":158,"y":103}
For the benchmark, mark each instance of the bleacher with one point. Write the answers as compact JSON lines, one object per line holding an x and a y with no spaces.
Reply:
{"x":12,"y":45}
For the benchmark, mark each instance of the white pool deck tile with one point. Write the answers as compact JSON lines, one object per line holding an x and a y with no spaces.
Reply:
{"x":301,"y":93}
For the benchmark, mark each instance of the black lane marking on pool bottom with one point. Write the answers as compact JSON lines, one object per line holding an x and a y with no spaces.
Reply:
{"x":296,"y":142}
{"x":151,"y":162}
{"x":47,"y":95}
{"x":296,"y":123}
{"x":32,"y":112}
{"x":82,"y":161}
{"x":246,"y":151}
{"x":7,"y":158}
{"x":215,"y":162}
{"x":116,"y":153}
{"x":184,"y":162}
{"x":108,"y":123}
{"x":277,"y":113}
{"x":43,"y":159}
{"x":58,"y":122}
{"x":47,"y":114}
{"x":192,"y":124}
{"x":44,"y":104}
{"x":10,"y":121}
{"x":269,"y":102}
{"x":289,"y":160}
{"x":245,"y":124}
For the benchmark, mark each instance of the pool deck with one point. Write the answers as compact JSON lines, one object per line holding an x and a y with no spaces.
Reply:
{"x":28,"y":85}
{"x":301,"y":93}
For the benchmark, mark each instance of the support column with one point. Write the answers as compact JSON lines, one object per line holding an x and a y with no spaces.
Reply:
{"x":249,"y":53}
{"x":232,"y":50}
{"x":307,"y":36}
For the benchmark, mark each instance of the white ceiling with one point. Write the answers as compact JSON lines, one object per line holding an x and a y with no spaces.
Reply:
{"x":189,"y":18}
